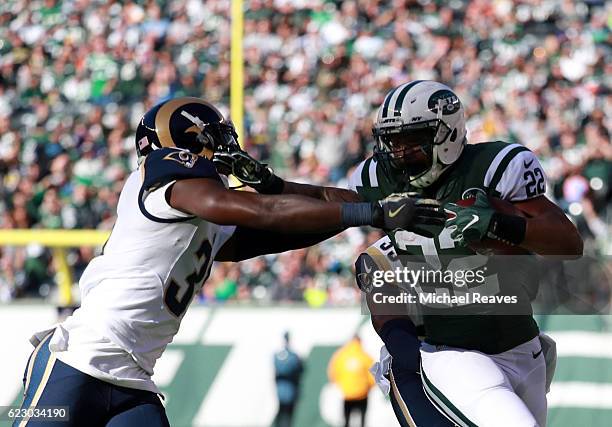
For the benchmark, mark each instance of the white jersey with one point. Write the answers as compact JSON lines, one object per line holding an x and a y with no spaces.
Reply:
{"x":134,"y":295}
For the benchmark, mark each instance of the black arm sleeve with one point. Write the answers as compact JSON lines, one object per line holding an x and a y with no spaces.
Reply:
{"x":249,"y":243}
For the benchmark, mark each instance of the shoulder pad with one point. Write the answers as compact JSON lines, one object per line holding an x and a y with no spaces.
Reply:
{"x":168,"y":164}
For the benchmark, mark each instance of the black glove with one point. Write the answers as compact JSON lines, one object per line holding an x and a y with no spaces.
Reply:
{"x":408,"y":212}
{"x":248,"y":171}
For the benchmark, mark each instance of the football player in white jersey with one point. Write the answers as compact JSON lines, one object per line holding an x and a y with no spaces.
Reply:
{"x":175,"y":216}
{"x":479,"y":365}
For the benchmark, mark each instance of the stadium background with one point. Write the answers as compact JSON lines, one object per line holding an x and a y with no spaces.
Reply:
{"x":76,"y":76}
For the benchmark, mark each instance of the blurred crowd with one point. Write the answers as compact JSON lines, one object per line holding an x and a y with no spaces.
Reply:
{"x":76,"y":76}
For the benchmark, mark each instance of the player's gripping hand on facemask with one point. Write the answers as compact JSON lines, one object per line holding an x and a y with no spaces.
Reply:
{"x":252,"y":173}
{"x":247,"y":170}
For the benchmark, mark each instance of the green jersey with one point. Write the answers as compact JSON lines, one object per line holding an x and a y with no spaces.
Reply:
{"x":451,"y":316}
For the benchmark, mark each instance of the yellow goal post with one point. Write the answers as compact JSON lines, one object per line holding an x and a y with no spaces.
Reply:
{"x":237,"y":69}
{"x":58,"y":241}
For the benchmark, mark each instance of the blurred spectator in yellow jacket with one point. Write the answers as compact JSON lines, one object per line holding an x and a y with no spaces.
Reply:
{"x":349,"y":370}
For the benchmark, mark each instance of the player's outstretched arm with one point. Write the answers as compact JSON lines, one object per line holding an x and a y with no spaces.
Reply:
{"x":248,"y":243}
{"x":330,"y":194}
{"x":210,"y":200}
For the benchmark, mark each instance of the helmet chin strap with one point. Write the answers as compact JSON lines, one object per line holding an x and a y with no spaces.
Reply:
{"x":429,"y":177}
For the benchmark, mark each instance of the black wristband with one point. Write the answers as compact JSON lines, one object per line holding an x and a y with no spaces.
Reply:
{"x":274,"y":185}
{"x":508,"y":228}
{"x":355,"y":214}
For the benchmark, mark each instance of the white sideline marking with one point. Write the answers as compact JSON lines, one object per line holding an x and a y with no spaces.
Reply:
{"x":583,"y":344}
{"x":580,"y":395}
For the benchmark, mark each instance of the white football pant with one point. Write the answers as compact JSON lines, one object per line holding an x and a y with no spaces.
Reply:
{"x":477,"y":389}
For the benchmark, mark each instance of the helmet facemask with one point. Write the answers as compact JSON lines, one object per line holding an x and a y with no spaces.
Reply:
{"x":409,"y":150}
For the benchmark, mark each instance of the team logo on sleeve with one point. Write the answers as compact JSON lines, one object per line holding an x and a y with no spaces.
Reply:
{"x":183,"y":157}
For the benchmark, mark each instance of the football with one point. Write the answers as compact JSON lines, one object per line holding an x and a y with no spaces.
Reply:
{"x":492,"y":246}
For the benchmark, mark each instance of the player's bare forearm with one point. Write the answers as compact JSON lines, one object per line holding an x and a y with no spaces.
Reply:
{"x":334,"y":194}
{"x":313,"y":191}
{"x":208,"y":199}
{"x":553,"y":234}
{"x":330,"y":194}
{"x":548,"y":231}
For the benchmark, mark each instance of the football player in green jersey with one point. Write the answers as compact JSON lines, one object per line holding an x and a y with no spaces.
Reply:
{"x":478,"y":367}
